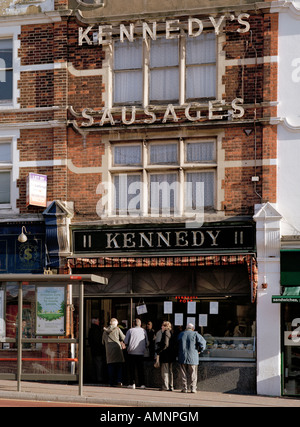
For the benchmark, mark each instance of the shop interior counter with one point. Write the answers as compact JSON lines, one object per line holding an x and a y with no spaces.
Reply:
{"x":229,"y":349}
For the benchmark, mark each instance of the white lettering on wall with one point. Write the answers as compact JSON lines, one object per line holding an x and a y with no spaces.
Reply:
{"x":193,"y":28}
{"x":216,"y":110}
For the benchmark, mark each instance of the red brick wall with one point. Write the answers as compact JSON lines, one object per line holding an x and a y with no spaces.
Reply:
{"x":58,"y":43}
{"x":82,"y":186}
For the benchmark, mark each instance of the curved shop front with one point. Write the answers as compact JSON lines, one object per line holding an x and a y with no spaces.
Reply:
{"x":163,"y":273}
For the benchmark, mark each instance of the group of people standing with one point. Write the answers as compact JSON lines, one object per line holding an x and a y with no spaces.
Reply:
{"x":144,"y":344}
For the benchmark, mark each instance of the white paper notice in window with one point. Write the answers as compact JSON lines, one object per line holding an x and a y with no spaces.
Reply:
{"x":213,"y":307}
{"x":168,"y":307}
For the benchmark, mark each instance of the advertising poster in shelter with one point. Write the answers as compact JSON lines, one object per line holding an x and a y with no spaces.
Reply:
{"x":50,"y":310}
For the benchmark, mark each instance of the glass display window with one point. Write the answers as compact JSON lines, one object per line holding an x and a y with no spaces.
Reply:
{"x":291,"y":348}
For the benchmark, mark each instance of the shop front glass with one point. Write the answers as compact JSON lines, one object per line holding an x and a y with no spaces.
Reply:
{"x":49,"y":323}
{"x":291,"y":348}
{"x":216,"y":300}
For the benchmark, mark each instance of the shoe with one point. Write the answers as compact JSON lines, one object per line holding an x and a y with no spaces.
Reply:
{"x":131,"y":386}
{"x":143,"y":386}
{"x":119,"y":385}
{"x":184,"y":391}
{"x":171,"y":389}
{"x":193,"y":391}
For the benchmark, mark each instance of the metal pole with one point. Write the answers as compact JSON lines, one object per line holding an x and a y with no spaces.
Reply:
{"x":19,"y":341}
{"x":80,"y":350}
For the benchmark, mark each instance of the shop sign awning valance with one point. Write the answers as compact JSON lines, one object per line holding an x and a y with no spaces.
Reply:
{"x":176,"y":261}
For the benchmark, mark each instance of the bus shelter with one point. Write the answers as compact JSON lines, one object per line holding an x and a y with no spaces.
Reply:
{"x":41,"y":326}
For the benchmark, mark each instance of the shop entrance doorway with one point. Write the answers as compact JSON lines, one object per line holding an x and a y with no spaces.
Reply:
{"x":103,"y":309}
{"x":124,"y":309}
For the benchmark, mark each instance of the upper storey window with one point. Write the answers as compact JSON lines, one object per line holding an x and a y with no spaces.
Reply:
{"x":163,"y":70}
{"x":6,"y":71}
{"x":5,"y":173}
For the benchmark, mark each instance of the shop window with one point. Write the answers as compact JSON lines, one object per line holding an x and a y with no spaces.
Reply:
{"x":6,"y":71}
{"x":291,"y":344}
{"x":165,"y":70}
{"x":172,"y":177}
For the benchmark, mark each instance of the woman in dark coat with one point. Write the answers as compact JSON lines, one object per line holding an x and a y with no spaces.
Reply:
{"x":167,"y":355}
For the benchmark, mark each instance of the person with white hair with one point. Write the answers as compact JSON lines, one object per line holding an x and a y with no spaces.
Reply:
{"x":136,"y":341}
{"x":190,"y":344}
{"x":112,"y":338}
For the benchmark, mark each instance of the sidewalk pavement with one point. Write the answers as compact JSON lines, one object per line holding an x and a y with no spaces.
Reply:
{"x":115,"y":396}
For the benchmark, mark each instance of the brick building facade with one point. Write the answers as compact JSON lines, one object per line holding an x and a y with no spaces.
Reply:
{"x":157,"y":95}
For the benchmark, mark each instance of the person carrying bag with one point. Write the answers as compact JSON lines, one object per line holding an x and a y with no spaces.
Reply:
{"x":113,"y":338}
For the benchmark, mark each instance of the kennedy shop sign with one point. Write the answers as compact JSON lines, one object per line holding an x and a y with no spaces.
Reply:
{"x":142,"y":240}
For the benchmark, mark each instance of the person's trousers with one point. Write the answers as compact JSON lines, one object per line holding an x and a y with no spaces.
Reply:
{"x":97,"y":369}
{"x":166,"y":370}
{"x":114,"y":373}
{"x":189,"y":374}
{"x":136,"y":366}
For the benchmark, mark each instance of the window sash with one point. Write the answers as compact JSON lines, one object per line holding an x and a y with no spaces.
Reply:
{"x":128,"y":55}
{"x":201,"y":49}
{"x":128,"y":72}
{"x":164,"y":85}
{"x":164,"y":192}
{"x":127,"y":155}
{"x":127,"y":193}
{"x":199,"y":190}
{"x":5,"y":179}
{"x":164,"y":53}
{"x":128,"y":87}
{"x":197,"y":152}
{"x":201,"y":82}
{"x":163,"y":154}
{"x":5,"y":152}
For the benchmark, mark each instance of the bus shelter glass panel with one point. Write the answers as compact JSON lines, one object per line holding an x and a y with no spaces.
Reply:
{"x":50,"y":315}
{"x":8,"y":328}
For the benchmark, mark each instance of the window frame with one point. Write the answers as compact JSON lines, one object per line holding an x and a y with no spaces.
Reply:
{"x":13,"y":34}
{"x":146,"y":169}
{"x":182,"y":67}
{"x":8,"y":101}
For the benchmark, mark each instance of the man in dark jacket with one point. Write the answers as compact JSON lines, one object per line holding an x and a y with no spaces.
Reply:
{"x":167,"y":355}
{"x":190,"y":343}
{"x":94,"y":339}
